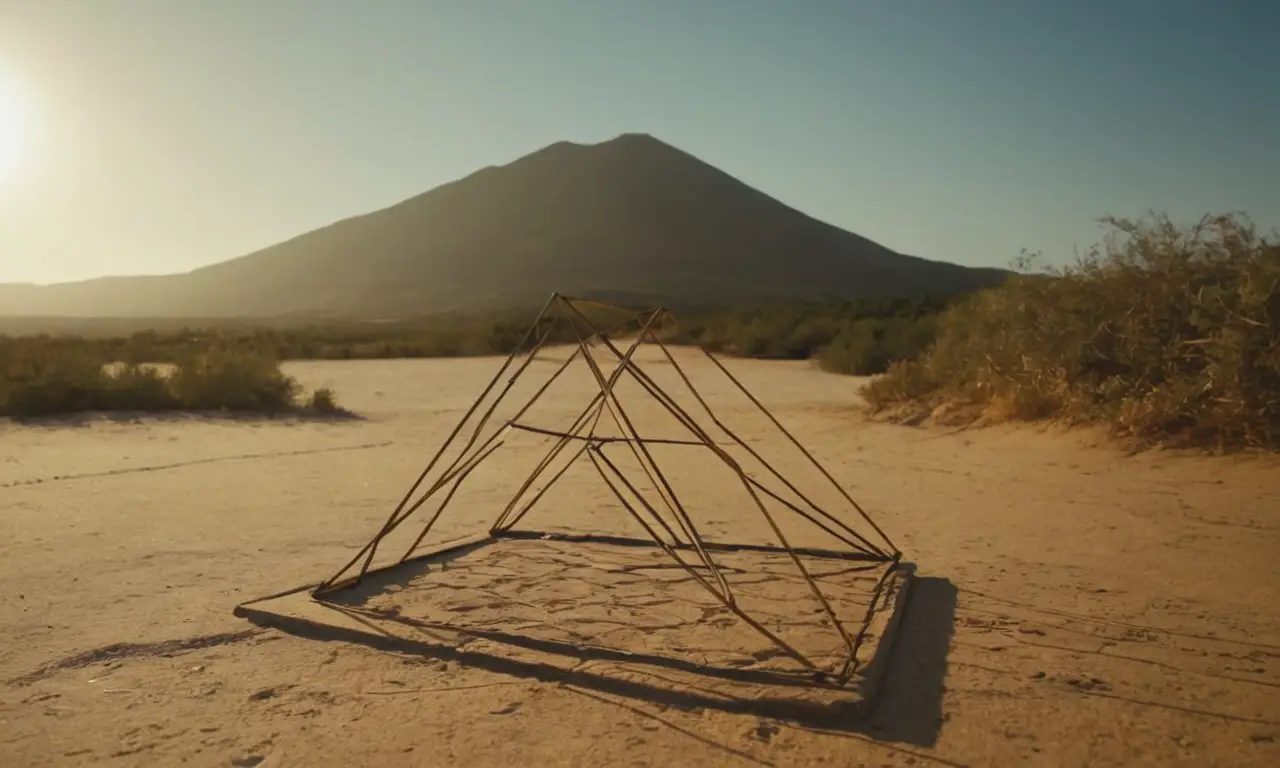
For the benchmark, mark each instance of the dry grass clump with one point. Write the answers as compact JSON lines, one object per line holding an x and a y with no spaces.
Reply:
{"x":1168,"y":334}
{"x":42,"y":378}
{"x":323,"y":401}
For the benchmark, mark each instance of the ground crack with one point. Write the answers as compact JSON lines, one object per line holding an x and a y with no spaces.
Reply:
{"x":117,"y":651}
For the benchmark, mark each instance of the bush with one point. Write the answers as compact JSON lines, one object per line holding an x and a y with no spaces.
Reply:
{"x":905,"y":382}
{"x":39,"y":385}
{"x":232,"y":380}
{"x":868,"y":347}
{"x":135,"y":387}
{"x":1166,"y":334}
{"x":323,"y":401}
{"x":45,"y":377}
{"x":860,"y":336}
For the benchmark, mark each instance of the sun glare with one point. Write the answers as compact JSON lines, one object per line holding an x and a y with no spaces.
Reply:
{"x":13,"y":128}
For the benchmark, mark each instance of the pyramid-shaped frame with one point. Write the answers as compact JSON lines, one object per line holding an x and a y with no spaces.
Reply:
{"x":655,"y":506}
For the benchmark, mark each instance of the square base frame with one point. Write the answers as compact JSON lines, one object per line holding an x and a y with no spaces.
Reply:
{"x":791,"y":695}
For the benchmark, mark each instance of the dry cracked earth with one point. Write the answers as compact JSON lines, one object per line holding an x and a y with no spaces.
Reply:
{"x":1072,"y":605}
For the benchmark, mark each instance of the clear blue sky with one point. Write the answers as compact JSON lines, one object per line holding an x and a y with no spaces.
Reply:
{"x":166,"y":134}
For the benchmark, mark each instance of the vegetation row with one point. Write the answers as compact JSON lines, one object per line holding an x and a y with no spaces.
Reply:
{"x":1166,"y":334}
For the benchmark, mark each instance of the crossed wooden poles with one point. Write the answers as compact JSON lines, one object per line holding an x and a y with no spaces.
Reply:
{"x":675,"y":532}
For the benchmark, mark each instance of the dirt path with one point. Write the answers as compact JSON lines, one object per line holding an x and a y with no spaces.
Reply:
{"x":1074,"y":606}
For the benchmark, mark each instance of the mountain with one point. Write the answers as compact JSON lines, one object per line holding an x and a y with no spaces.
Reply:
{"x":631,"y":217}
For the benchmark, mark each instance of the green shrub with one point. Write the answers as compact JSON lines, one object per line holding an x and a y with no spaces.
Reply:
{"x":224,"y":379}
{"x":860,"y":336}
{"x":45,"y":376}
{"x":1166,"y":334}
{"x":869,"y":346}
{"x":39,"y":384}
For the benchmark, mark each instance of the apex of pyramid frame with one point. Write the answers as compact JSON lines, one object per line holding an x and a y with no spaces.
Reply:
{"x":666,"y":521}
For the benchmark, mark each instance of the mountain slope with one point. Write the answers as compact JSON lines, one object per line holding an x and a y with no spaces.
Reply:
{"x":629,"y":216}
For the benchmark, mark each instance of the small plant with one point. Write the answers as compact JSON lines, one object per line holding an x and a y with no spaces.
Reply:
{"x":324,"y":402}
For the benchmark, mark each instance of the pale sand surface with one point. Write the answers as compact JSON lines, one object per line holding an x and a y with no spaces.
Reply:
{"x":1073,"y":606}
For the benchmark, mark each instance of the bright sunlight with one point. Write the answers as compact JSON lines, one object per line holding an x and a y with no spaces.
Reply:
{"x":14,"y":122}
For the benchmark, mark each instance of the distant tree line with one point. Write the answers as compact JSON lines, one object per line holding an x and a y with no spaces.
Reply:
{"x":237,"y":367}
{"x":860,"y":336}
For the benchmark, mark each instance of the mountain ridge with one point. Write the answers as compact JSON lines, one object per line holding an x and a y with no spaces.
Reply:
{"x":631,"y":215}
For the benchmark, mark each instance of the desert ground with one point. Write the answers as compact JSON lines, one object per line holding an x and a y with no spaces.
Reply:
{"x":1072,"y":604}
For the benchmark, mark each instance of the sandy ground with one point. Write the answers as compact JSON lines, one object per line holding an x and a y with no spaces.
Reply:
{"x":1073,"y":605}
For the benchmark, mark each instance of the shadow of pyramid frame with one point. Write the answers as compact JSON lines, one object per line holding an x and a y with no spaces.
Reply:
{"x":659,"y":511}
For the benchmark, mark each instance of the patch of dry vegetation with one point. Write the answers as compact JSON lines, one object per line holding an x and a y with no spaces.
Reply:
{"x":859,"y":336}
{"x":1168,"y":334}
{"x":39,"y":378}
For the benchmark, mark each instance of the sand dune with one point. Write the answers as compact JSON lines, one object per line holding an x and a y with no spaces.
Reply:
{"x":1073,"y":606}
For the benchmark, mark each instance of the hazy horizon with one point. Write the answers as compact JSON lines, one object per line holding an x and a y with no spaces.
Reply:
{"x":156,"y":137}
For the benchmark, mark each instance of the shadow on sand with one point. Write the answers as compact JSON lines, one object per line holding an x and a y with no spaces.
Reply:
{"x":905,"y":707}
{"x":909,"y":707}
